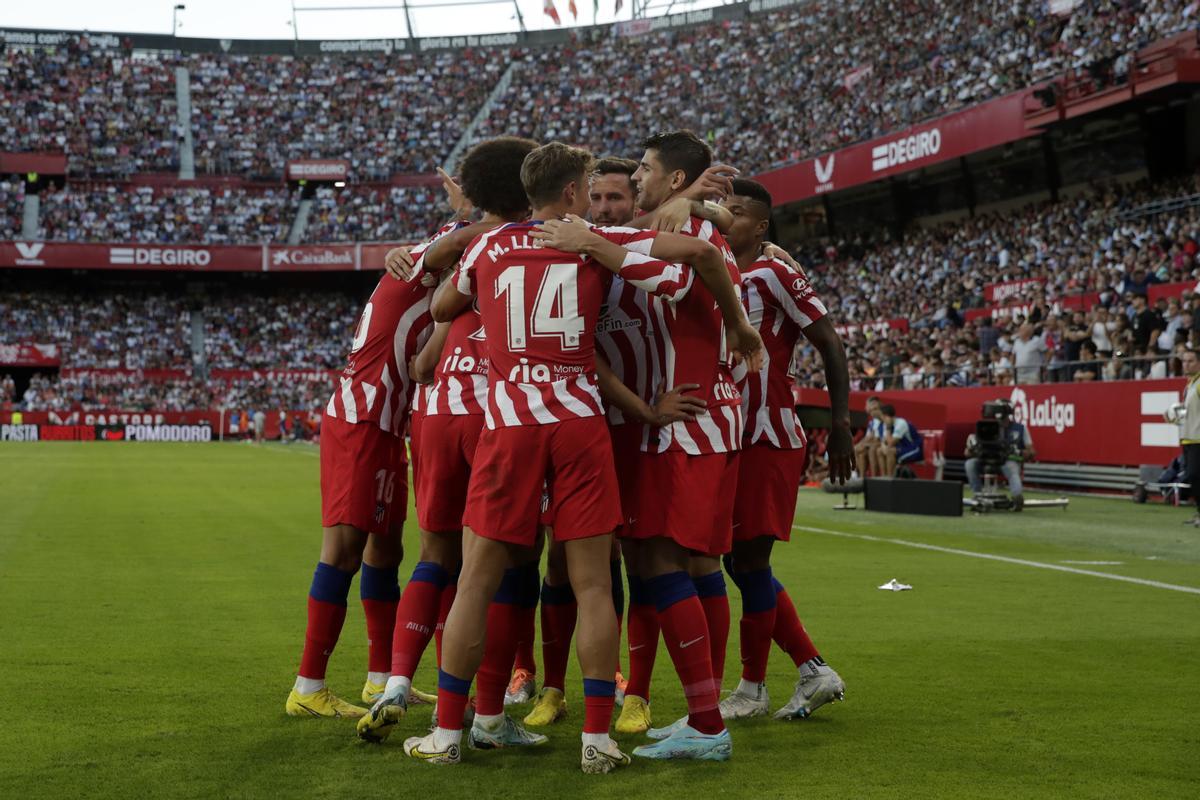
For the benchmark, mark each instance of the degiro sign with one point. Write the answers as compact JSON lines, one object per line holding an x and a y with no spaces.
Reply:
{"x":906,"y":150}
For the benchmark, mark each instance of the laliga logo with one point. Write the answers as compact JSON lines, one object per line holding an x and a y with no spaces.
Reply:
{"x":1046,"y":414}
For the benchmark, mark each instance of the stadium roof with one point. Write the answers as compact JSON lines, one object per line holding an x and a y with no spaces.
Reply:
{"x":328,"y":19}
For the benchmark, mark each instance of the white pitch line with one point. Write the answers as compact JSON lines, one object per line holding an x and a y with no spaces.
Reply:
{"x":1006,"y":559}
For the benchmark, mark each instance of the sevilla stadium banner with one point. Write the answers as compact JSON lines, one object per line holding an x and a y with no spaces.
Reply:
{"x":1161,"y":291}
{"x":1115,"y":423}
{"x":318,"y":170}
{"x":194,"y":258}
{"x":980,"y":127}
{"x":29,"y":355}
{"x":1000,"y":292}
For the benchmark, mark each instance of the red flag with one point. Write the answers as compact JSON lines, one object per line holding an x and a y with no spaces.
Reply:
{"x":573,"y":10}
{"x":552,"y":12}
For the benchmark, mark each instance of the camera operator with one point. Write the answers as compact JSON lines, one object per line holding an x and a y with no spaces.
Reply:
{"x":1014,"y":442}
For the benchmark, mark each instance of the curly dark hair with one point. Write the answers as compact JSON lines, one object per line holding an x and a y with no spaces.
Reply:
{"x":491,"y":175}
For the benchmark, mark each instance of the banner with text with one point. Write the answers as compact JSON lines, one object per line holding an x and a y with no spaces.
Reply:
{"x":28,"y":354}
{"x":195,"y":258}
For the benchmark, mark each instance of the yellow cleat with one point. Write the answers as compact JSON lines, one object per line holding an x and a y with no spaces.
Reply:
{"x":372,"y":692}
{"x":321,"y":703}
{"x":635,"y":715}
{"x":417,"y":697}
{"x":551,"y":706}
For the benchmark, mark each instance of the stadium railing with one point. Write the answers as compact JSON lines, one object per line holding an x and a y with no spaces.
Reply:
{"x":1106,"y":369}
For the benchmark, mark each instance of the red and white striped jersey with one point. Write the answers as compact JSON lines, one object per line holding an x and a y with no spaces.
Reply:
{"x":689,"y":339}
{"x":374,"y":386}
{"x":460,"y":384}
{"x":540,"y":308}
{"x":625,"y":338}
{"x":780,"y":303}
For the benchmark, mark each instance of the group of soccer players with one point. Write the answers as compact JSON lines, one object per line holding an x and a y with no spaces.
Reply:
{"x":617,"y":389}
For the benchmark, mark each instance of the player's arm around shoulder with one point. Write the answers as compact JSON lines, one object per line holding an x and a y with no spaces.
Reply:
{"x":425,"y":363}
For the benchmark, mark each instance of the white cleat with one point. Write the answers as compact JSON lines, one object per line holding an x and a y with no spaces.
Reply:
{"x":668,"y":730}
{"x":603,"y":760}
{"x":813,"y":690}
{"x":505,"y":732}
{"x":740,"y":705}
{"x":427,"y":749}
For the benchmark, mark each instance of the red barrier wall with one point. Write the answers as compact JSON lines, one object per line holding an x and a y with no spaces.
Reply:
{"x":1116,"y":423}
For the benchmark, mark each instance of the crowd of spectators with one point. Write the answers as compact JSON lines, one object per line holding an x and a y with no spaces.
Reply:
{"x":82,"y":212}
{"x":121,"y":330}
{"x":402,"y":113}
{"x":12,"y":208}
{"x":112,"y":113}
{"x":775,"y":88}
{"x":1096,"y":256}
{"x":131,"y":391}
{"x":285,"y":330}
{"x":768,"y":89}
{"x":375,"y":213}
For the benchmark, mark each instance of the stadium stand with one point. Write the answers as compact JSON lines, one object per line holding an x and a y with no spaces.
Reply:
{"x":375,"y":213}
{"x":83,"y":212}
{"x":1090,"y":248}
{"x":12,"y":208}
{"x":868,"y":67}
{"x":402,"y":114}
{"x":112,"y":114}
{"x":282,"y":330}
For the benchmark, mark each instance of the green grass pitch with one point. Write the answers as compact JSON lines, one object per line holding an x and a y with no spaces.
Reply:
{"x":152,"y":601}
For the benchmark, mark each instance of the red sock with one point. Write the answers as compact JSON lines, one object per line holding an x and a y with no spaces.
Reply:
{"x":598,"y":702}
{"x":716,"y":613}
{"x":526,"y":623}
{"x":381,"y":620}
{"x":320,"y":637}
{"x":326,"y":613}
{"x":452,"y":701}
{"x":686,"y":633}
{"x":499,"y":649}
{"x":416,"y":617}
{"x":447,"y":601}
{"x":643,"y":639}
{"x":758,"y":621}
{"x":789,"y":632}
{"x":559,"y":612}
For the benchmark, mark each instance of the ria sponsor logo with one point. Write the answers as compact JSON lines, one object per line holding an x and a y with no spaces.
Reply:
{"x":168,"y":256}
{"x":906,"y":150}
{"x":1045,"y":414}
{"x":306,"y":257}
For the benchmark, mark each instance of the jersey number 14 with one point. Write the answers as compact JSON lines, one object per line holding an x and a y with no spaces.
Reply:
{"x":555,"y":307}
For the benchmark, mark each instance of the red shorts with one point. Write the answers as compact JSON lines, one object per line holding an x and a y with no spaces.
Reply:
{"x":768,"y":482}
{"x":627,"y":456}
{"x":446,"y":449}
{"x":688,"y":499}
{"x":572,"y":460}
{"x":364,"y":477}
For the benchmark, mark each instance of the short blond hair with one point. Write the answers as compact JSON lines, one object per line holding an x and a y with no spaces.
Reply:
{"x":549,"y":168}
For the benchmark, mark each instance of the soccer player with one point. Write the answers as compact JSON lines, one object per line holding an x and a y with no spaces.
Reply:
{"x":364,"y":491}
{"x":901,"y":442}
{"x":623,"y":337}
{"x":783,"y":306}
{"x":446,"y":432}
{"x":545,"y":426}
{"x":687,"y":473}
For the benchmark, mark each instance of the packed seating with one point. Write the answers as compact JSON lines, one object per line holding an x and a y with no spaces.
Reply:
{"x":12,"y":208}
{"x":775,"y":88}
{"x":113,"y":114}
{"x":172,"y":214}
{"x":375,"y":213}
{"x":285,"y":330}
{"x":1094,"y":251}
{"x":401,"y":114}
{"x":121,"y":330}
